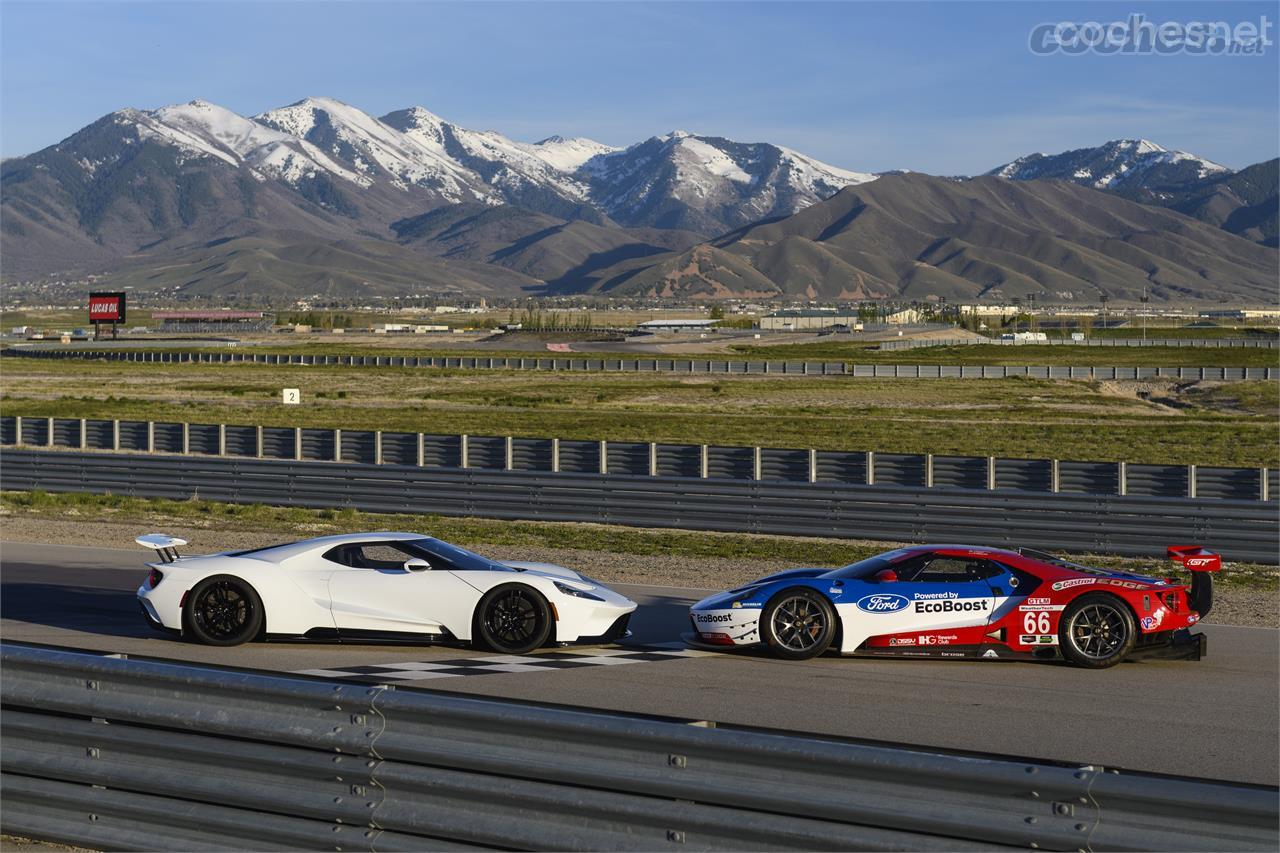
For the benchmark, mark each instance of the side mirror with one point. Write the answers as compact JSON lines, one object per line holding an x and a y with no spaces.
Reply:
{"x":416,"y":564}
{"x":886,"y":576}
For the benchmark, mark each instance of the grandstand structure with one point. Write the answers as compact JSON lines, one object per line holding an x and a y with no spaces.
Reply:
{"x":215,"y":322}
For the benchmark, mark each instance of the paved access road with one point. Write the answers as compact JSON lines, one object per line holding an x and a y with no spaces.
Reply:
{"x":1217,"y":718}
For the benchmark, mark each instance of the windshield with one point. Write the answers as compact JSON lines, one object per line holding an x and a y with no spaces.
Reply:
{"x":460,"y":558}
{"x":867,"y":568}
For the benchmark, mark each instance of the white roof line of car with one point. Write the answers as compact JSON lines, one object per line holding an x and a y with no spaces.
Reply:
{"x":280,"y":553}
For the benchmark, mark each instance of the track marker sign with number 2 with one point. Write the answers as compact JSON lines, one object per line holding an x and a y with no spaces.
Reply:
{"x":292,"y":396}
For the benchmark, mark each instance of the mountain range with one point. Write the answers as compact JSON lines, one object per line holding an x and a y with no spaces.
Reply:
{"x":320,"y":198}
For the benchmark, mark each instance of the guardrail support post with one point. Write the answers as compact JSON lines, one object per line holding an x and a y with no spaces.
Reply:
{"x":222,"y":439}
{"x":604,"y":457}
{"x":422,"y":450}
{"x":151,"y":436}
{"x":704,"y":462}
{"x":115,"y":434}
{"x":928,"y":470}
{"x":337,"y":445}
{"x":186,"y":440}
{"x":84,"y":433}
{"x":509,"y":461}
{"x":1264,"y":484}
{"x":297,"y":444}
{"x":17,"y":431}
{"x":377,"y":447}
{"x":653,"y":459}
{"x":813,"y":464}
{"x":258,"y":443}
{"x":755,"y":465}
{"x":463,"y":454}
{"x":1122,"y":477}
{"x":555,"y":456}
{"x":871,"y":467}
{"x":1055,"y":477}
{"x":991,"y":473}
{"x":1191,"y":481}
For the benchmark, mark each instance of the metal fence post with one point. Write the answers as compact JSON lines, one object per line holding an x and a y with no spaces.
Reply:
{"x":653,"y":459}
{"x":1122,"y":477}
{"x":151,"y":436}
{"x":813,"y":464}
{"x":84,"y":433}
{"x":509,"y":461}
{"x":422,"y":450}
{"x":463,"y":454}
{"x":704,"y":462}
{"x":297,"y":444}
{"x":337,"y":445}
{"x":1055,"y":477}
{"x":1191,"y":481}
{"x":604,"y":457}
{"x":186,"y":440}
{"x":48,"y":436}
{"x":258,"y":440}
{"x":17,"y":431}
{"x":871,"y":467}
{"x":555,"y":456}
{"x":222,"y":439}
{"x":115,"y":434}
{"x":928,"y":470}
{"x":1264,"y":484}
{"x":377,"y":447}
{"x":755,"y":465}
{"x":991,"y":473}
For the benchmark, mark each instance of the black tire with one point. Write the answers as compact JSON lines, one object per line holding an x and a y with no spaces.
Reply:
{"x":798,"y":624}
{"x":512,"y":619}
{"x":1097,"y":631}
{"x":222,"y":611}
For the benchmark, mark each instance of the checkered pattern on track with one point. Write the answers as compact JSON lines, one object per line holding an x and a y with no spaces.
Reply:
{"x":409,"y":671}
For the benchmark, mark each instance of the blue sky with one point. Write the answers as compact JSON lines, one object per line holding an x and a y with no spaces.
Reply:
{"x":947,"y":88}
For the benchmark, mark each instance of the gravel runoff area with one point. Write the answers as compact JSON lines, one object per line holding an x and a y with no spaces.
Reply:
{"x":1233,"y":605}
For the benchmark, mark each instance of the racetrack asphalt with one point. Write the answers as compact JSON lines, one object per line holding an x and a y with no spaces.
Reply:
{"x":1218,"y":718}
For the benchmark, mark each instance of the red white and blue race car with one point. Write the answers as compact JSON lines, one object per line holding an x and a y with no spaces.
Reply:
{"x":961,"y":601}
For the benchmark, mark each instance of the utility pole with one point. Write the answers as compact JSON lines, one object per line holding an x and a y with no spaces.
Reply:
{"x":1144,"y":313}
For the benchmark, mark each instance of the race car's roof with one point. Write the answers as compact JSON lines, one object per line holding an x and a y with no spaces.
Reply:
{"x":280,"y":553}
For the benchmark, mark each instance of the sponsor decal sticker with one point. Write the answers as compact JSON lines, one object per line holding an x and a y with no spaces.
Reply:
{"x":1038,"y":640}
{"x":1037,"y":608}
{"x":953,"y":606}
{"x":1193,"y":619}
{"x":1039,"y":602}
{"x":1074,"y":582}
{"x":990,"y":653}
{"x":835,"y":590}
{"x":882,"y":602}
{"x":902,"y":641}
{"x":936,"y":639}
{"x":713,"y":617}
{"x":922,"y":596}
{"x":1149,"y":622}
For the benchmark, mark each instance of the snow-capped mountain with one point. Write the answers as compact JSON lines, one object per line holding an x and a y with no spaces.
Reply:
{"x":1115,"y":165}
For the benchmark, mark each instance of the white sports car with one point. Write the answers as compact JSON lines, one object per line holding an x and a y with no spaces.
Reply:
{"x":386,"y":585}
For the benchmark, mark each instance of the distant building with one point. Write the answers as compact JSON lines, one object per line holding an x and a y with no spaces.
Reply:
{"x":905,"y":317}
{"x":1243,"y":314}
{"x":676,"y":325}
{"x":808,"y":318}
{"x":229,"y":322}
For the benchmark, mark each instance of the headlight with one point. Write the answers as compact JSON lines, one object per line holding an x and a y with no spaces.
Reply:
{"x":576,"y":593}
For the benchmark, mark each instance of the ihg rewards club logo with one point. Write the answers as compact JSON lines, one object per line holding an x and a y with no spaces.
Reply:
{"x":1137,"y":36}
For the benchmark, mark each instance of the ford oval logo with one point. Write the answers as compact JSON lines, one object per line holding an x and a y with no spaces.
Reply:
{"x":882,"y":602}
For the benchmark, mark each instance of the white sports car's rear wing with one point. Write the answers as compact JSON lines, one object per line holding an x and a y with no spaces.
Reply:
{"x":165,"y":546}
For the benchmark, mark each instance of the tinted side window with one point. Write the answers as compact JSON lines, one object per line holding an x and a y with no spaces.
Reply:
{"x":385,"y":556}
{"x":940,"y":569}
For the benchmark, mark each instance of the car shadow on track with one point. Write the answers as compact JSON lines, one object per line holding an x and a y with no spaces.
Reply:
{"x":91,"y":610}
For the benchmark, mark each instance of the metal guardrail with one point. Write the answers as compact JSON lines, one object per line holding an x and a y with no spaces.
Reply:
{"x":1211,"y":343}
{"x":642,"y":459}
{"x":1124,"y":525}
{"x":118,"y":753}
{"x":667,"y":365}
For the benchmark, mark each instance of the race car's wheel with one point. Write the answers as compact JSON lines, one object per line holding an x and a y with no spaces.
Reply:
{"x":797,"y":624}
{"x":223,"y":611}
{"x":1097,"y":631}
{"x":513,"y":619}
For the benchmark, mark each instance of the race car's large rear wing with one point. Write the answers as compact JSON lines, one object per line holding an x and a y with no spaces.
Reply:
{"x":165,"y":546}
{"x":1196,"y":558}
{"x":1199,"y":561}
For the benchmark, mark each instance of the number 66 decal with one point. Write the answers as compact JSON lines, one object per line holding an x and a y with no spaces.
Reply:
{"x":1036,"y":623}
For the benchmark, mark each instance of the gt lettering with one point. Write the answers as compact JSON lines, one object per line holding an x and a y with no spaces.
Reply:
{"x":1036,"y":623}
